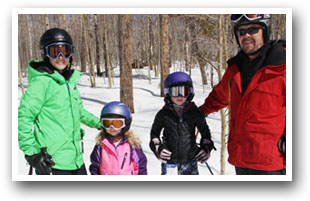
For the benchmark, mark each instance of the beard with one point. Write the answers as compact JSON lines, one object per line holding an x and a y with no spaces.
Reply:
{"x":248,"y":46}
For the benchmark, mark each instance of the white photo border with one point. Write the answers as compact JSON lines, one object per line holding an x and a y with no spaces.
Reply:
{"x":15,"y":147}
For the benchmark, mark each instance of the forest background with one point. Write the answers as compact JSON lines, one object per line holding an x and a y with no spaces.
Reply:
{"x":103,"y":42}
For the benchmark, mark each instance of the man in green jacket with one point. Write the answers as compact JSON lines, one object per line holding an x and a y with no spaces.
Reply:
{"x":51,"y":110}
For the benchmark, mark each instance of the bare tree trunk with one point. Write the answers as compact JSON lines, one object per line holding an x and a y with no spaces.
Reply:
{"x":223,"y":116}
{"x":106,"y":52}
{"x":157,"y":71}
{"x":83,"y":48}
{"x":164,"y":50}
{"x":88,"y":51}
{"x":151,"y":46}
{"x":92,"y":62}
{"x":47,"y":23}
{"x":196,"y":52}
{"x":186,"y":49}
{"x":64,"y":22}
{"x":97,"y":47}
{"x":146,"y":39}
{"x":224,"y":42}
{"x":126,"y":86}
{"x":20,"y":78}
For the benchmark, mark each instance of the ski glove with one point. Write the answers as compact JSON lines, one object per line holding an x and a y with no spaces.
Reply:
{"x":282,"y":145}
{"x":41,"y":162}
{"x":204,"y":152}
{"x":202,"y":156}
{"x":162,"y":154}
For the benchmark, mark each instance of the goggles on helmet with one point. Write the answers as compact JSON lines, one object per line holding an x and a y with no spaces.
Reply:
{"x":251,"y":17}
{"x":116,"y":123}
{"x":54,"y":50}
{"x":176,"y":91}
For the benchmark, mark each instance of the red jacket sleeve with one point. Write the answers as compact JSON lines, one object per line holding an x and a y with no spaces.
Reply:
{"x":220,"y":95}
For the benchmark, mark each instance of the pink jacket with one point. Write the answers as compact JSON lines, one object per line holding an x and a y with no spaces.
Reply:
{"x":119,"y":160}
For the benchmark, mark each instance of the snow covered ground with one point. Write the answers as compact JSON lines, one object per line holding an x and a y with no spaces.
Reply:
{"x":147,"y":102}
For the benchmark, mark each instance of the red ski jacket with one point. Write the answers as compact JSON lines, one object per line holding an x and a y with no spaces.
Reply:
{"x":257,"y":116}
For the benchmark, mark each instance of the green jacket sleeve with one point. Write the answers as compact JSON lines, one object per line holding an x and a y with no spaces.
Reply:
{"x":30,"y":105}
{"x":89,"y":119}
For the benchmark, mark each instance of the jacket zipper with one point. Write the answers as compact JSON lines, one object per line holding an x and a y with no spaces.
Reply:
{"x":123,"y":163}
{"x":70,"y":101}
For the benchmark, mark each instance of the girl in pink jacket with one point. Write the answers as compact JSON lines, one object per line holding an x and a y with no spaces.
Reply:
{"x":117,"y":151}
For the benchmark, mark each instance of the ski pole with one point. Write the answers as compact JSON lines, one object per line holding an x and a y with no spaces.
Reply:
{"x":209,"y":168}
{"x":30,"y":170}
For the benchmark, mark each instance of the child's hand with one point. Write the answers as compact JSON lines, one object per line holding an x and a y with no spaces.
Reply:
{"x":164,"y":155}
{"x":161,"y":153}
{"x":202,"y":156}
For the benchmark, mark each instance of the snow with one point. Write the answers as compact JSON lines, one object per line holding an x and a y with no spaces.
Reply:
{"x":147,"y":103}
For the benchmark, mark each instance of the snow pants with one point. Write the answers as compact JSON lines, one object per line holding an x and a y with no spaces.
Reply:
{"x":189,"y":168}
{"x":248,"y":171}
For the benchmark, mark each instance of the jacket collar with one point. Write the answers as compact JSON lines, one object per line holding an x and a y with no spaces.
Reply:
{"x":273,"y":54}
{"x":42,"y":68}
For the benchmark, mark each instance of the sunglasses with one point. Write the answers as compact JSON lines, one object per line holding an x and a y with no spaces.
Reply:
{"x":251,"y":31}
{"x":116,"y":123}
{"x":54,"y":50}
{"x":177,"y":91}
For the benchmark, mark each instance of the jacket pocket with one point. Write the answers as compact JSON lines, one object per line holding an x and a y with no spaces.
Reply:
{"x":257,"y":148}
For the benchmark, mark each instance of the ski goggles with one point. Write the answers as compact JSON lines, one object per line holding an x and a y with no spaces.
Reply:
{"x":54,"y":50}
{"x":177,"y":91}
{"x":116,"y":123}
{"x":250,"y":30}
{"x":251,"y":17}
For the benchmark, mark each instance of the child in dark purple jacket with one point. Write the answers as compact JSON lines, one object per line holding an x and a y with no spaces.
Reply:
{"x":118,"y":151}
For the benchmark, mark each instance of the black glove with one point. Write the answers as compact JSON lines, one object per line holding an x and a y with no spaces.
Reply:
{"x":282,"y":145}
{"x":203,"y":153}
{"x":41,"y":162}
{"x":207,"y":144}
{"x":202,"y":156}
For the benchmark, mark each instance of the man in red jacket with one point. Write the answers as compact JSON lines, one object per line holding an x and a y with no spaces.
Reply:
{"x":254,"y":87}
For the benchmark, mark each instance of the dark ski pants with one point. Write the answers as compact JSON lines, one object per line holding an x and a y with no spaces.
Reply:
{"x":248,"y":171}
{"x":81,"y":171}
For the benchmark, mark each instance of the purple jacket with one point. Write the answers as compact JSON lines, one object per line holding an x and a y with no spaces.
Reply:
{"x":119,"y":160}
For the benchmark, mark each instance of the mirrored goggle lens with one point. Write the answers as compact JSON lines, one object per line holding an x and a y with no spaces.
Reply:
{"x":237,"y":17}
{"x":116,"y":123}
{"x":55,"y":50}
{"x":176,"y":91}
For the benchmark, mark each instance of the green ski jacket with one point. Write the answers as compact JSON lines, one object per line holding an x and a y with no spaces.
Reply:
{"x":50,"y":114}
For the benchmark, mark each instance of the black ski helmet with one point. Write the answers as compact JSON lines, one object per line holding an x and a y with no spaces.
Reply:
{"x":178,"y":79}
{"x":244,"y":19}
{"x":54,"y":35}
